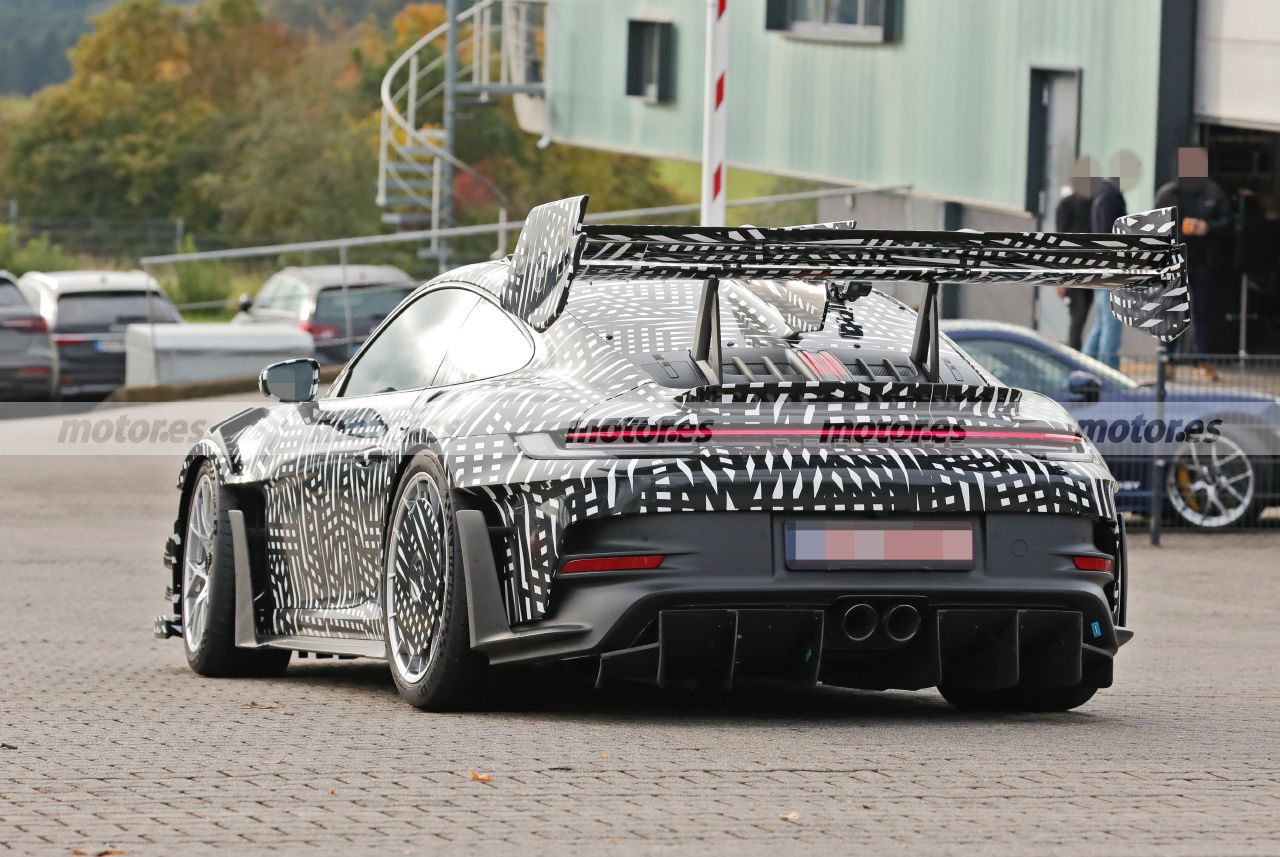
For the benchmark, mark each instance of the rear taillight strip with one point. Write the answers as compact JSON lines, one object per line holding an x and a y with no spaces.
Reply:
{"x":1094,"y":563}
{"x":834,"y":434}
{"x":34,"y":324}
{"x":642,"y":562}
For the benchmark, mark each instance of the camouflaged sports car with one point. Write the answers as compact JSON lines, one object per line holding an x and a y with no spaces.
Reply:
{"x":687,"y":456}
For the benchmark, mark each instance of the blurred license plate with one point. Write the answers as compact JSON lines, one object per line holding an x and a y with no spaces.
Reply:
{"x":111,"y":346}
{"x":831,"y":544}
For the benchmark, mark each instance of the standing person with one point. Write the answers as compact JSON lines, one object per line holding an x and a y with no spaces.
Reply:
{"x":1207,"y":221}
{"x":1074,"y":214}
{"x":1104,"y":340}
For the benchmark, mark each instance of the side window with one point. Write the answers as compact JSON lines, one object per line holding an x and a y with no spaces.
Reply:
{"x":489,"y":345}
{"x":1018,"y":365}
{"x":835,"y":20}
{"x":407,"y":354}
{"x":651,"y":61}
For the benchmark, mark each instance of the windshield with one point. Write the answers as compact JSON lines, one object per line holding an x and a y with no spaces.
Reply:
{"x":104,"y":311}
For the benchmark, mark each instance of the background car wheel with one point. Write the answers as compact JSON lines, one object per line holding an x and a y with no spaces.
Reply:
{"x":208,"y":588}
{"x":1019,"y":698}
{"x":1212,"y":484}
{"x":425,"y":599}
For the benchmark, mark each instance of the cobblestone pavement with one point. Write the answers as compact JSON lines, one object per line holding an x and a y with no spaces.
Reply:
{"x":111,"y":744}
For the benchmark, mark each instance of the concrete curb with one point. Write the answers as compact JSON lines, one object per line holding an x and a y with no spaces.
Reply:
{"x":202,"y":389}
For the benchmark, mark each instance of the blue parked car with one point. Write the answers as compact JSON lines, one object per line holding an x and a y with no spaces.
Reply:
{"x":1221,"y":442}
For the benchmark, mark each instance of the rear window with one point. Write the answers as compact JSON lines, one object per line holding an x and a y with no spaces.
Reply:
{"x":10,"y":296}
{"x":102,"y":311}
{"x":369,"y":304}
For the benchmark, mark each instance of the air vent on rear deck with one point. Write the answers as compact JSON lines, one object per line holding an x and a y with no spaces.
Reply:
{"x":879,"y":371}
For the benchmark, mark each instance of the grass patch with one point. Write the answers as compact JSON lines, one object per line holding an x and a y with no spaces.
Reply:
{"x":685,"y":179}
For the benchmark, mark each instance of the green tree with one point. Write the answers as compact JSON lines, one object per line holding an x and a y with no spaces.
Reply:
{"x":152,"y":93}
{"x":304,"y":163}
{"x":214,"y":112}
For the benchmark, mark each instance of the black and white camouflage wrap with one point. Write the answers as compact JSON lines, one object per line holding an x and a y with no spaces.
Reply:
{"x":1140,"y":263}
{"x":1161,"y":309}
{"x":538,"y":281}
{"x":325,"y":472}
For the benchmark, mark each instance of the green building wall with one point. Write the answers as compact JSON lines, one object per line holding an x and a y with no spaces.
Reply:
{"x":945,"y":108}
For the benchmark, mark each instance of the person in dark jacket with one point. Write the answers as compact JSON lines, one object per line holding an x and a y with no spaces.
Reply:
{"x":1104,"y":339}
{"x":1206,"y":225}
{"x":1074,"y":214}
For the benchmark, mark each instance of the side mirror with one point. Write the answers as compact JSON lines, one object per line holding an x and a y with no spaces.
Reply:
{"x":246,"y":302}
{"x":1086,"y":385}
{"x":291,"y":381}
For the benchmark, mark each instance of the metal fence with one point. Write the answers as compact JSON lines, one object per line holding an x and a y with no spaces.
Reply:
{"x":103,"y":238}
{"x":1216,"y":463}
{"x":390,"y":248}
{"x":109,"y":238}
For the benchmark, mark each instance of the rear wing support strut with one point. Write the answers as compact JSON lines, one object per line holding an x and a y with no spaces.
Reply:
{"x":707,"y":356}
{"x":925,"y":345}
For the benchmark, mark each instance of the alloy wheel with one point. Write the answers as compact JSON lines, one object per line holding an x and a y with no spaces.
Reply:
{"x":1211,"y":482}
{"x":417,"y":578}
{"x":197,"y":561}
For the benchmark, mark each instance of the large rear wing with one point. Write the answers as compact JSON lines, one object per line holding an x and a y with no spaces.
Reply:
{"x":1140,"y":263}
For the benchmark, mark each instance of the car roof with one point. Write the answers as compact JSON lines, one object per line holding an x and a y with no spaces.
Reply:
{"x":71,"y":282}
{"x":321,"y":276}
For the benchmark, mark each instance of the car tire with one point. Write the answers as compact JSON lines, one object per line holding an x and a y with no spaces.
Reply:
{"x":1213,"y":487}
{"x":208,"y":587}
{"x":424,"y":598}
{"x":1027,"y":699}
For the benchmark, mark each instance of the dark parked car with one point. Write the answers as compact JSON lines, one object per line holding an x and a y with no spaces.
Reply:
{"x":682,"y":455}
{"x":87,"y":312}
{"x":28,"y":361}
{"x":311,"y":297}
{"x":1211,"y":482}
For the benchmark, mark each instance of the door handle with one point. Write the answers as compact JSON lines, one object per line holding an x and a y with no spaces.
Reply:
{"x":367,"y":457}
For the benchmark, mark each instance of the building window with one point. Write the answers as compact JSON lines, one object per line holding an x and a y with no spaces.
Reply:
{"x":651,"y":61}
{"x":834,"y":20}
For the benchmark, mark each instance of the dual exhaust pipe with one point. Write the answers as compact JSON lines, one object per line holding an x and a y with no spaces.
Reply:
{"x":900,"y":622}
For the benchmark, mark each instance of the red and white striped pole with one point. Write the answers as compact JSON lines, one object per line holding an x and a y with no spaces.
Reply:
{"x":714,"y":124}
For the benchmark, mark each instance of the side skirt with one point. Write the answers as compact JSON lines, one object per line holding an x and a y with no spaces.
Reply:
{"x":327,"y":646}
{"x":246,"y":632}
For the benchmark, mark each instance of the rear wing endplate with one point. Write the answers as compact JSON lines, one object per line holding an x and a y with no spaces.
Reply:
{"x":1141,"y":263}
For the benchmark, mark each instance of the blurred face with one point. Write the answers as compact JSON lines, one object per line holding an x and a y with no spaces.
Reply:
{"x":1082,"y":174}
{"x":1126,"y":168}
{"x":1193,"y":163}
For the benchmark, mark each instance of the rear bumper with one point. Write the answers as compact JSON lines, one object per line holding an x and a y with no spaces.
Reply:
{"x":90,"y":374}
{"x":28,"y":375}
{"x":982,"y":648}
{"x":724,"y":608}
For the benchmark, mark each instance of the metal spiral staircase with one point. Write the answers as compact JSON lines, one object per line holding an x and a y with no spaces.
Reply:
{"x":487,"y":50}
